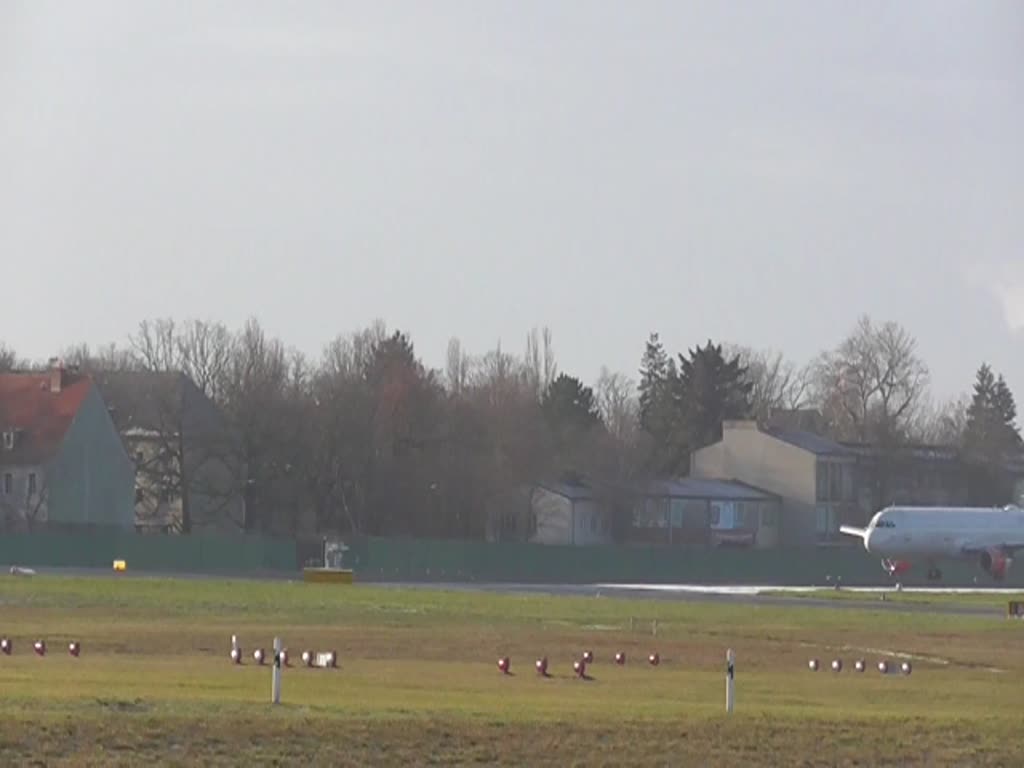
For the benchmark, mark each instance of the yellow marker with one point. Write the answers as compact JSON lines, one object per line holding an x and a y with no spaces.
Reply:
{"x":119,"y":565}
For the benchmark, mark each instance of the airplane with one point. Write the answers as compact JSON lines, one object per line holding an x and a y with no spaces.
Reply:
{"x":989,"y":535}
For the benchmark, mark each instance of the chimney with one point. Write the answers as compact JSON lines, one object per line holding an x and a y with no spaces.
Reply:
{"x":56,"y":374}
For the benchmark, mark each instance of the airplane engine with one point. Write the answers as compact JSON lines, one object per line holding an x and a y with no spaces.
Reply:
{"x":995,"y":564}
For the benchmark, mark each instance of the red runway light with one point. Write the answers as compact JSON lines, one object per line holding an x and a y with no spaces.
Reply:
{"x":74,"y":649}
{"x":40,"y":647}
{"x":588,"y":657}
{"x":542,"y":666}
{"x":504,"y":664}
{"x":620,"y":658}
{"x":580,"y":668}
{"x":5,"y":646}
{"x":654,"y":659}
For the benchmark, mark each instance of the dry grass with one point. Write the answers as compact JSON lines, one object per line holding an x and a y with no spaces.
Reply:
{"x":418,"y":683}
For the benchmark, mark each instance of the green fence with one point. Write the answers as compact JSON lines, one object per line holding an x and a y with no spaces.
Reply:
{"x":375,"y":559}
{"x":196,"y":553}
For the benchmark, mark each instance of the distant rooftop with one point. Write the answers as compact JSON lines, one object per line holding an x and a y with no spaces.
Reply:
{"x":705,"y":488}
{"x":808,"y":441}
{"x":573,"y":491}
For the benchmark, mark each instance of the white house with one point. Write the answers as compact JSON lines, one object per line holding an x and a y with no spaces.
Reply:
{"x":563,"y":513}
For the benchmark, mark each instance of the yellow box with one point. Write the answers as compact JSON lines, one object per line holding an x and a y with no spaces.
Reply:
{"x":120,"y":565}
{"x":327,"y":575}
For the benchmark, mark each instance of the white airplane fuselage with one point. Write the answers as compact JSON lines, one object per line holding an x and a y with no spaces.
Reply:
{"x":935,"y":533}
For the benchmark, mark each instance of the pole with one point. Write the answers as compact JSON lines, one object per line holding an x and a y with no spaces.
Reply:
{"x":275,"y":690}
{"x":730,"y":679}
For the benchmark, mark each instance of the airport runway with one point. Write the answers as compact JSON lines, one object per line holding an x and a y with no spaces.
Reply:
{"x":736,"y":594}
{"x":739,"y":594}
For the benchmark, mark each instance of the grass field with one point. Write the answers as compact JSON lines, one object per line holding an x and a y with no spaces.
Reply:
{"x":418,"y":682}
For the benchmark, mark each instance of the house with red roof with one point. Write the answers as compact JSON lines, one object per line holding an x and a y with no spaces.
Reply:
{"x":62,"y":461}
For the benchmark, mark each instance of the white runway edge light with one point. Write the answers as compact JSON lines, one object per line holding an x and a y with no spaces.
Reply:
{"x":859,"y":665}
{"x":74,"y":649}
{"x":326,"y":660}
{"x":259,"y":656}
{"x":813,"y":665}
{"x":5,"y":646}
{"x":885,"y":668}
{"x":837,"y":665}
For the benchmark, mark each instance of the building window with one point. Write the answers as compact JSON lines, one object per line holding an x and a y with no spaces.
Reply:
{"x":848,"y":494}
{"x":8,"y":483}
{"x":827,"y":520}
{"x":821,"y":478}
{"x":835,"y":489}
{"x":676,"y":508}
{"x":650,"y":514}
{"x":724,"y":515}
{"x":31,"y":483}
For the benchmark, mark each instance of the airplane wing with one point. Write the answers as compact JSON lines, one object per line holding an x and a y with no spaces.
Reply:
{"x":851,"y":530}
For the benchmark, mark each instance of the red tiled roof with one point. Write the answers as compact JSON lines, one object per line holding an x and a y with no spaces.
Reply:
{"x":27,"y":404}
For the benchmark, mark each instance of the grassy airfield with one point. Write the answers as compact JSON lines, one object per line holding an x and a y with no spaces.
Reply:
{"x":418,"y":682}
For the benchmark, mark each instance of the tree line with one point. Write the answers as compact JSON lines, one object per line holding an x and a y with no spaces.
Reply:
{"x":369,"y":439}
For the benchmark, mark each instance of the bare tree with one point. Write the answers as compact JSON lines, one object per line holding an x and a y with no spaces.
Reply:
{"x":539,"y":367}
{"x":941,"y":424}
{"x":871,"y":386}
{"x":30,"y":511}
{"x":8,"y":359}
{"x":458,"y":367}
{"x":156,"y":346}
{"x":619,"y":407}
{"x":204,"y":350}
{"x":778,"y":384}
{"x":107,"y":358}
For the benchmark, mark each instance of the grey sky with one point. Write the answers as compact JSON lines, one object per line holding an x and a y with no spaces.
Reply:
{"x":751,"y":172}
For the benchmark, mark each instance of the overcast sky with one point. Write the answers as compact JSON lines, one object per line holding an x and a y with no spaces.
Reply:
{"x":759,"y":173}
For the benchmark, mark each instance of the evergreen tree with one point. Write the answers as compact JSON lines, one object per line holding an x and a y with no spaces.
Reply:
{"x":570,"y":406}
{"x":991,"y":435}
{"x":991,"y":419}
{"x":659,"y":413}
{"x":654,"y":384}
{"x":711,"y":389}
{"x":1006,"y":411}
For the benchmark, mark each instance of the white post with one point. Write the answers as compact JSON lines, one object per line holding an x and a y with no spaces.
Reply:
{"x":730,"y":679}
{"x":275,"y":693}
